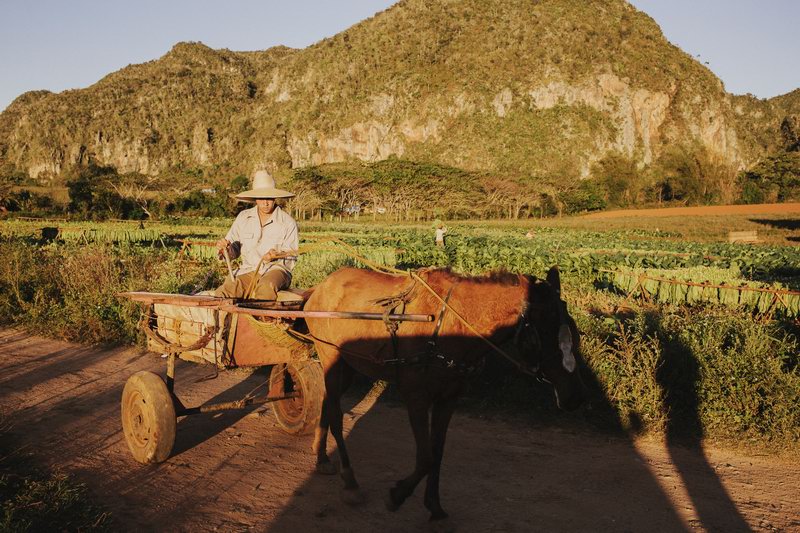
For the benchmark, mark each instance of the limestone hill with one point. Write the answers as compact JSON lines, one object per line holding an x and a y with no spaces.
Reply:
{"x":513,"y":87}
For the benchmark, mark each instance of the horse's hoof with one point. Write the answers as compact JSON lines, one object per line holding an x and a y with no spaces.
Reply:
{"x":391,"y":502}
{"x":391,"y":505}
{"x":353,"y":496}
{"x":327,"y":468}
{"x":441,"y":525}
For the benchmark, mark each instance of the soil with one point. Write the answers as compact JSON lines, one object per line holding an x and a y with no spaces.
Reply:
{"x":752,"y":209}
{"x":237,"y":471}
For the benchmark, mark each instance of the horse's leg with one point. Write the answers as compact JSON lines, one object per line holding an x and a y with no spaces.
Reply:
{"x":440,"y":419}
{"x":324,"y":464}
{"x":418,"y":416}
{"x":320,"y":445}
{"x":337,"y":376}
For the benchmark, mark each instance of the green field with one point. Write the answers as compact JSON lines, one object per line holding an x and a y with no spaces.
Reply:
{"x":681,"y":330}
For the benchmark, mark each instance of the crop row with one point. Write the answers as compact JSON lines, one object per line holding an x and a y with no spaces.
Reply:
{"x":706,"y":285}
{"x":469,"y":249}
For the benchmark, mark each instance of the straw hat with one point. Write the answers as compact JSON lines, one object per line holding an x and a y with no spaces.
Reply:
{"x":263,"y":187}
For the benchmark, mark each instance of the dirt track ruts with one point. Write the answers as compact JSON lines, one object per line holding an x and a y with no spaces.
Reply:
{"x":235,"y":472}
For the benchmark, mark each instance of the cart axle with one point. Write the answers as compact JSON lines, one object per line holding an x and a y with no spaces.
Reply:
{"x":238,"y":404}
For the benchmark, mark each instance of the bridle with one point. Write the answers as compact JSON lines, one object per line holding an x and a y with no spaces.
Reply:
{"x":526,"y":333}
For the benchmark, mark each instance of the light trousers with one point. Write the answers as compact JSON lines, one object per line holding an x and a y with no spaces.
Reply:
{"x":267,"y":287}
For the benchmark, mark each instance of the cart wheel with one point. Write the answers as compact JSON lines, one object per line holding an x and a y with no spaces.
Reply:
{"x":297,"y":415}
{"x":148,"y":417}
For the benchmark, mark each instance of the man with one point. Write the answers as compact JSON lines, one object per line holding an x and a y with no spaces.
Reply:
{"x":440,"y":231}
{"x":264,"y":233}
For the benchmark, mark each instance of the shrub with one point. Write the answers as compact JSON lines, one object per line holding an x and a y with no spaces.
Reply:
{"x":71,"y":291}
{"x":701,"y":373}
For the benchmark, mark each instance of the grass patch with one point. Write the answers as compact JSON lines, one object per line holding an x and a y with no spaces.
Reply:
{"x":37,"y":500}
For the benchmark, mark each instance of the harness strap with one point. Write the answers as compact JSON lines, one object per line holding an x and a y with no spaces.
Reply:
{"x":432,"y":356}
{"x":519,"y":365}
{"x":435,"y":336}
{"x":393,"y":305}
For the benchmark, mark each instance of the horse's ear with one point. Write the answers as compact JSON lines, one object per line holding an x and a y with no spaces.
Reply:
{"x":554,"y":279}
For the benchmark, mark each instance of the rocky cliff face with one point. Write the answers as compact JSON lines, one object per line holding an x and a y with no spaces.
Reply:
{"x":541,"y":88}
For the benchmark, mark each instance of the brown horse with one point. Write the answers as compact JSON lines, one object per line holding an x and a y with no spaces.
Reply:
{"x":431,"y":362}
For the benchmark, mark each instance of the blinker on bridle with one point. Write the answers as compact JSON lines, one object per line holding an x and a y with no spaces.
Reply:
{"x":524,"y":328}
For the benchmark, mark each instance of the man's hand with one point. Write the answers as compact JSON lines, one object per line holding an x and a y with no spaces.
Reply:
{"x":221,"y":245}
{"x":272,"y":255}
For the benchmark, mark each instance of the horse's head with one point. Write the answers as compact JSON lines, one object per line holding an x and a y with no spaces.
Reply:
{"x":547,"y":339}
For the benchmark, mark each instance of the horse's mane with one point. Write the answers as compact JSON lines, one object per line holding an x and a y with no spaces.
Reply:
{"x":498,"y":277}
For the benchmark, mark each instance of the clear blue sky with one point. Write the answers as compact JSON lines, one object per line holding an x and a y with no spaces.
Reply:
{"x":753,"y":45}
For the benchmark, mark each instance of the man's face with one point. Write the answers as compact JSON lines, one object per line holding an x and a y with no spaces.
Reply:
{"x":266,"y":205}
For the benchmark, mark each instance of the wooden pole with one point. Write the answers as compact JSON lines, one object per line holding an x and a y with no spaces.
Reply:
{"x":280,"y":313}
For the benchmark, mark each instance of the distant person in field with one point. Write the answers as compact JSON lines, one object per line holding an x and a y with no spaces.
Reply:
{"x":262,"y":236}
{"x":440,"y":231}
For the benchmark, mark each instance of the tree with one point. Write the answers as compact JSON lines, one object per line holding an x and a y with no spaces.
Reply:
{"x":499,"y":198}
{"x":619,"y":179}
{"x":773,"y":179}
{"x":722,"y":175}
{"x":81,"y":195}
{"x":681,"y":177}
{"x":133,"y":189}
{"x":306,"y":199}
{"x":239,"y":184}
{"x":790,"y":132}
{"x":587,"y":196}
{"x":7,"y":203}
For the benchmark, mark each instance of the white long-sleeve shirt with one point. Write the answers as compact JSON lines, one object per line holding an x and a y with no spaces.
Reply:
{"x":279,"y":233}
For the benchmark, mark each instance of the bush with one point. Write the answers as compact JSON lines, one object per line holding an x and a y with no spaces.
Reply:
{"x":626,"y":364}
{"x":731,"y":376}
{"x":694,"y":374}
{"x":70,"y":291}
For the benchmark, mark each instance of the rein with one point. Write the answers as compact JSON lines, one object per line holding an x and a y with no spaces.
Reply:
{"x":523,"y":326}
{"x":520,"y":366}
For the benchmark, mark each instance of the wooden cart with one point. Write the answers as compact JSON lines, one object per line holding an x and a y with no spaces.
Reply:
{"x":227,"y":333}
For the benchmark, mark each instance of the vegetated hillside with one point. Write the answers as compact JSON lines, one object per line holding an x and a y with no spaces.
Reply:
{"x":770,"y":125}
{"x":520,"y":88}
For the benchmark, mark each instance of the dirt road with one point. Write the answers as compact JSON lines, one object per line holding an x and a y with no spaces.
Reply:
{"x":237,"y":472}
{"x":750,"y":209}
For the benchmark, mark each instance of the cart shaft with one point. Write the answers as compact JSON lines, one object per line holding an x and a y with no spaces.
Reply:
{"x":280,"y":313}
